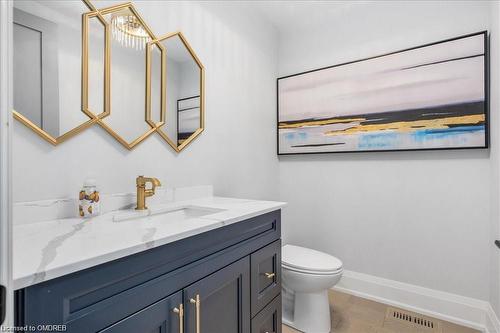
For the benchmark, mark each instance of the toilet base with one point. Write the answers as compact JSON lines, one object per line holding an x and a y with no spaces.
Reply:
{"x":311,"y":313}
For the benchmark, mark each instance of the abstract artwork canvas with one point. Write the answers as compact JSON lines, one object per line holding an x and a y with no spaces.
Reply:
{"x":428,"y":97}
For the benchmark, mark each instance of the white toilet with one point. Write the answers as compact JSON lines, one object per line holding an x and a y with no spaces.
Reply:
{"x":307,"y":276}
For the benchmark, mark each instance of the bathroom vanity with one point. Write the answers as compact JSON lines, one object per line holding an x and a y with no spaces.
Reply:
{"x":174,"y":270}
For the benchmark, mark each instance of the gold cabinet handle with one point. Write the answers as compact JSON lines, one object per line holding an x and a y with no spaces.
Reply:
{"x":270,"y":275}
{"x":196,"y":301}
{"x":180,"y":312}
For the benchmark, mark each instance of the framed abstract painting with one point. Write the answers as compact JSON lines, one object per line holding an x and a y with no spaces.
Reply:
{"x":428,"y":97}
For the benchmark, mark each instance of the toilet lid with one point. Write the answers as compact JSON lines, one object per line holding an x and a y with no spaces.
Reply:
{"x":306,"y":259}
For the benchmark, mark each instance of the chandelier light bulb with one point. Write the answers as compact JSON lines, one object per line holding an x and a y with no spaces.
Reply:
{"x":128,"y":30}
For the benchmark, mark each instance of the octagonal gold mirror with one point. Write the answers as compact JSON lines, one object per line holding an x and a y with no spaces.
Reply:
{"x":185,"y":115}
{"x":155,"y":84}
{"x":48,"y":43}
{"x":133,"y":99}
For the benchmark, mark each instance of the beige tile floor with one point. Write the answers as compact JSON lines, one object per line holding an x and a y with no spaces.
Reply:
{"x":352,"y":314}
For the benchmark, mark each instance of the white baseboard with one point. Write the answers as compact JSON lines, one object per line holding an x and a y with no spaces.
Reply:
{"x":454,"y":308}
{"x":492,"y":324}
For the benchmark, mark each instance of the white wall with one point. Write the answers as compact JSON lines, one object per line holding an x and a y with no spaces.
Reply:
{"x":417,"y":217}
{"x":235,"y":153}
{"x":495,"y":157}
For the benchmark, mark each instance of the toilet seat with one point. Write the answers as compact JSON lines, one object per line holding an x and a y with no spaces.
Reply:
{"x":309,"y":261}
{"x":311,"y":272}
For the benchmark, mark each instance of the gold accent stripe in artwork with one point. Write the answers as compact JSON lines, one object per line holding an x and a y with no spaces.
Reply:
{"x":287,"y":125}
{"x":408,"y":126}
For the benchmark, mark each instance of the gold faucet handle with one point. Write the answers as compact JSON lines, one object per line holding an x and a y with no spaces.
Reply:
{"x":142,"y":192}
{"x":142,"y":181}
{"x":154,"y":183}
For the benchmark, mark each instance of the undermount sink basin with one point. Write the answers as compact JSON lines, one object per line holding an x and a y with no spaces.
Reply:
{"x":169,"y":214}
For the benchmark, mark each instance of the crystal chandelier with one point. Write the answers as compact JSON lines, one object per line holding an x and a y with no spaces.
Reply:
{"x":129,"y":31}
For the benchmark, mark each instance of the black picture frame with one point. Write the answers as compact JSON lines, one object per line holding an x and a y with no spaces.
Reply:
{"x":486,"y":99}
{"x":181,"y":136}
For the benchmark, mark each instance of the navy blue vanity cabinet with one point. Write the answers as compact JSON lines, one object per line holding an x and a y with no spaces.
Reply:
{"x":227,"y":280}
{"x":221,"y":301}
{"x":161,"y":317}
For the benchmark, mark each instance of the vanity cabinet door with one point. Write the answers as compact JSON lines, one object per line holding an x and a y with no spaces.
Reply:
{"x":160,"y":317}
{"x":269,"y":319}
{"x":265,"y":275}
{"x":220,"y":302}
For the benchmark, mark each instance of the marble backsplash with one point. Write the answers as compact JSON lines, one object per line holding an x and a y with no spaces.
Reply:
{"x":46,"y":210}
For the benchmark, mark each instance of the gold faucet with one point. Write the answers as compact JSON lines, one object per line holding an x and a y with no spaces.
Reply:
{"x":142,"y":192}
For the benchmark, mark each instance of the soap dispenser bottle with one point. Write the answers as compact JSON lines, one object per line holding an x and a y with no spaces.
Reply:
{"x":89,"y":199}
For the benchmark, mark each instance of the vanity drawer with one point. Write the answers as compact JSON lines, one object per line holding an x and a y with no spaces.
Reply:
{"x":265,"y":275}
{"x":269,"y":319}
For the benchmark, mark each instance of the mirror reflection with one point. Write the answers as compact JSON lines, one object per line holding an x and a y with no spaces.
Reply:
{"x":129,"y":38}
{"x":47,"y":41}
{"x":184,"y":119}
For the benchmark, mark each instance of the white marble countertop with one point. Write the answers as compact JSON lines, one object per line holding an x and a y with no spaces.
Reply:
{"x":47,"y":250}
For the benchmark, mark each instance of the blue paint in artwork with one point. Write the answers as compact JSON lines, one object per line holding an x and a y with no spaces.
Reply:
{"x":432,"y":134}
{"x":378,"y":140}
{"x":391,"y":140}
{"x":296,"y":136}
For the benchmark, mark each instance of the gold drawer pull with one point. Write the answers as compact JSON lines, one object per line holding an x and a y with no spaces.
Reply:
{"x":270,"y":275}
{"x":197,"y":303}
{"x":180,"y":312}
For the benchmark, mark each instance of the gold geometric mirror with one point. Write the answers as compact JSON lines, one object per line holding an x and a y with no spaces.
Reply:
{"x":76,"y":66}
{"x":95,"y":55}
{"x":185,"y":116}
{"x":130,"y":95}
{"x":47,"y":68}
{"x":156,"y":61}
